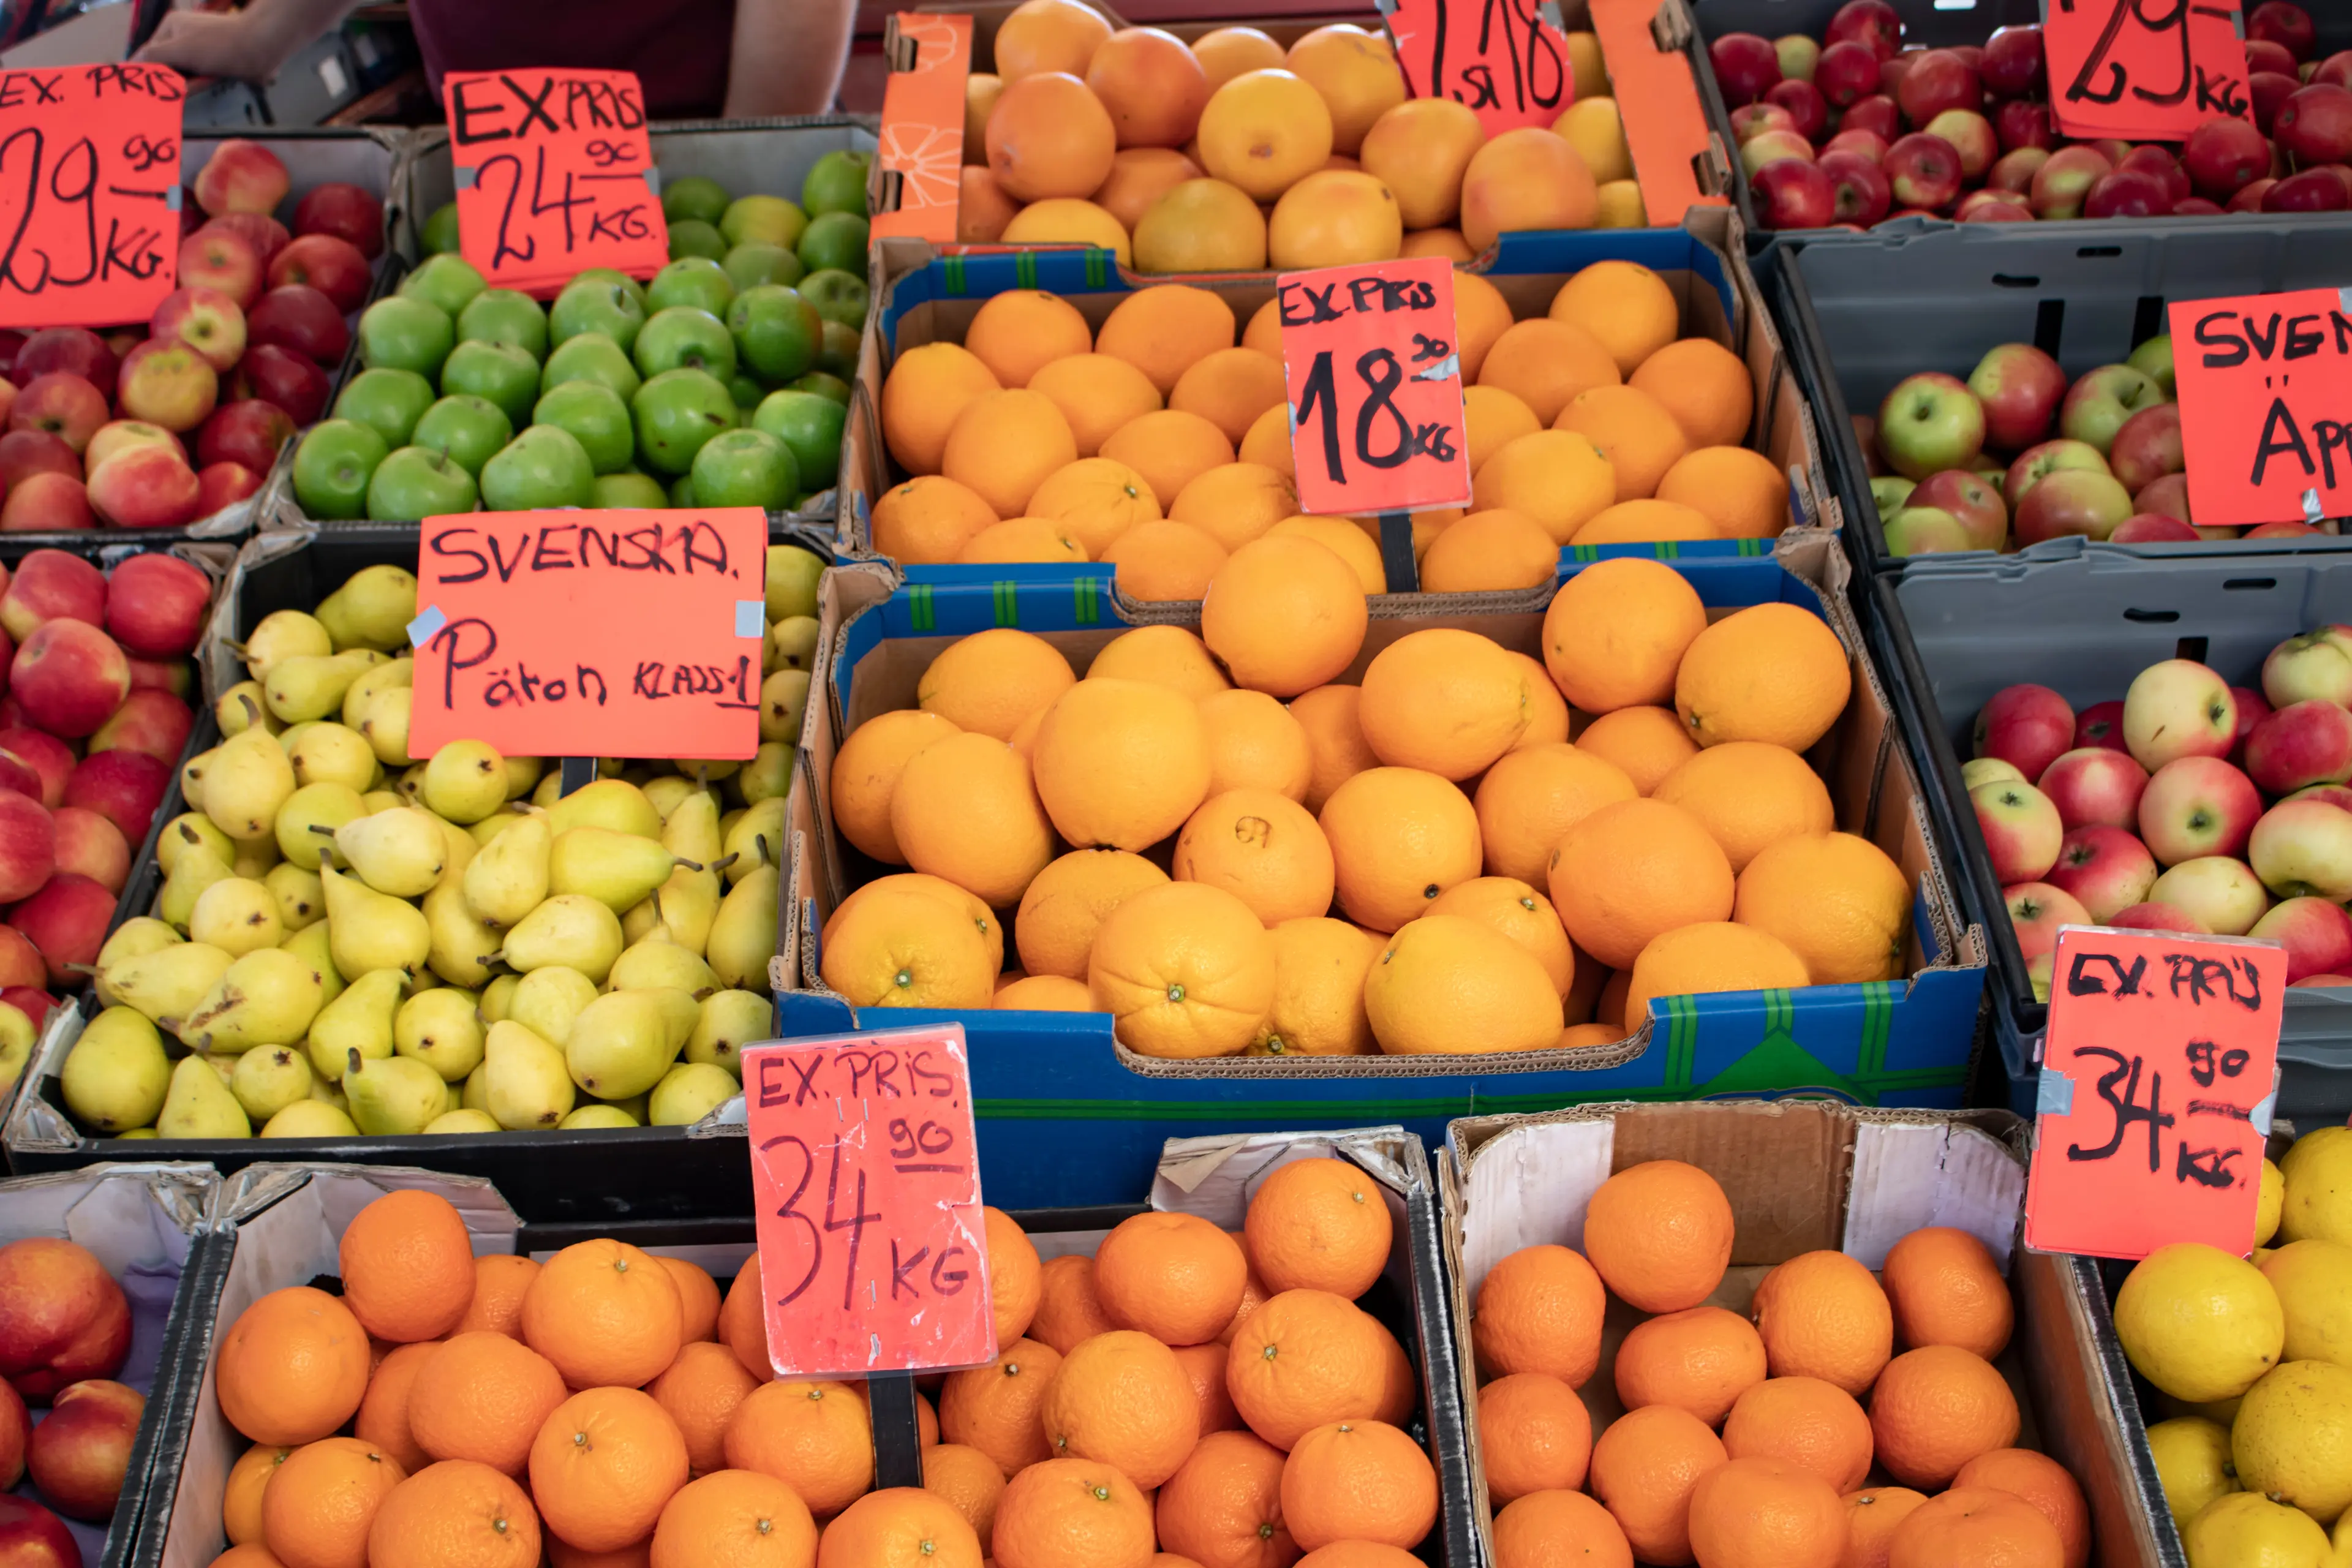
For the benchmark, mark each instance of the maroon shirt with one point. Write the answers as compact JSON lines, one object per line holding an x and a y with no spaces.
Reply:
{"x":677,"y":48}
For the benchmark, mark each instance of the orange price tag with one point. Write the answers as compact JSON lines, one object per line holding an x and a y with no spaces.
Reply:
{"x":1508,"y":62}
{"x":555,"y":175}
{"x":2264,"y":382}
{"x":2158,"y":1080}
{"x":1368,"y":358}
{"x":866,"y":1184}
{"x":89,"y":193}
{"x":2148,"y":70}
{"x":604,"y":633}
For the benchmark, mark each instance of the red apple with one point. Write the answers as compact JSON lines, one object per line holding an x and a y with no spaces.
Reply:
{"x":28,"y":846}
{"x":156,"y":604}
{"x":1877,"y":114}
{"x":2262,"y":54}
{"x":1797,"y":193}
{"x":145,"y":487}
{"x":2265,"y":91}
{"x":124,"y":787}
{"x":2196,"y":806}
{"x":298,"y":317}
{"x":2021,"y":124}
{"x":33,"y":1537}
{"x":2013,"y":172}
{"x":2153,"y":915}
{"x":1750,"y":121}
{"x":2336,"y":69}
{"x":1872,"y":22}
{"x":118,"y":434}
{"x":52,"y":584}
{"x":2072,"y":500}
{"x":2021,"y":388}
{"x":344,"y":211}
{"x":2250,"y":199}
{"x":2289,"y":25}
{"x":62,"y":1316}
{"x":2149,"y":528}
{"x":1805,"y":106}
{"x":2011,"y":65}
{"x":80,"y":1454}
{"x":2022,"y":830}
{"x":2094,"y":787}
{"x":69,"y":677}
{"x":1976,"y":506}
{"x":1744,"y":66}
{"x":1992,"y":207}
{"x":335,"y":267}
{"x":2252,"y":708}
{"x":287,"y":379}
{"x":250,"y":431}
{"x":1771,"y":147}
{"x":167,"y":383}
{"x":2126,"y":193}
{"x":266,"y":234}
{"x":2167,"y":497}
{"x":2159,"y":161}
{"x":1868,"y":145}
{"x":1847,"y":73}
{"x":2147,"y":446}
{"x":62,"y":404}
{"x":2298,"y":669}
{"x":68,"y":920}
{"x":2307,"y":191}
{"x":2036,"y":910}
{"x":2317,"y":934}
{"x":205,"y":320}
{"x":90,"y":846}
{"x":2177,"y":709}
{"x":172,"y":674}
{"x":2303,"y":847}
{"x":155,"y":722}
{"x":51,"y":762}
{"x":1924,"y":171}
{"x":242,"y":176}
{"x":1971,"y":137}
{"x":47,"y":503}
{"x":2106,"y":868}
{"x":2025,"y":726}
{"x":2064,"y":182}
{"x":2101,"y":724}
{"x":2038,"y":462}
{"x":2302,"y":743}
{"x":23,"y":453}
{"x":75,"y":350}
{"x":223,"y":260}
{"x":16,"y":1432}
{"x":1935,"y":81}
{"x":220,"y":485}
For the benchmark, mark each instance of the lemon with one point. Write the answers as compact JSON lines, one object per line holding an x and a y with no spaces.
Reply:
{"x":2267,"y":1205}
{"x":2318,"y":1177}
{"x":2293,"y":1440}
{"x":2193,"y":1462}
{"x":2243,"y":1529}
{"x":2339,"y":1544}
{"x":2199,"y":1324}
{"x":2314,"y":1281}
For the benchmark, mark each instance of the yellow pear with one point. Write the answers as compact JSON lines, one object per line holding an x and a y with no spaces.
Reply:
{"x":547,"y":1000}
{"x":314,"y":944}
{"x":461,"y":945}
{"x":332,"y":753}
{"x":116,"y":1076}
{"x":578,"y":933}
{"x":729,"y":1021}
{"x":508,"y":877}
{"x":370,"y":930}
{"x":756,"y":839}
{"x":525,"y":1084}
{"x":311,"y":1119}
{"x":613,"y":803}
{"x":396,"y":852}
{"x":283,"y":634}
{"x":199,"y":1105}
{"x":167,"y":982}
{"x":244,"y":783}
{"x":266,"y":998}
{"x":744,"y":937}
{"x":617,"y":869}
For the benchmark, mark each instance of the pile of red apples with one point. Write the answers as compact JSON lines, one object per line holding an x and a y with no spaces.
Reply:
{"x":1852,"y":129}
{"x":160,"y":425}
{"x":2188,"y":805}
{"x":65,"y":1331}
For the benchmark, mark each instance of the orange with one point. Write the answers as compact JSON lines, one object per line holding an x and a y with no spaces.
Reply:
{"x":1975,"y":1525}
{"x":1524,"y":179}
{"x":1262,"y":848}
{"x":1358,"y":1481}
{"x":1068,"y":1311}
{"x":456,"y":1514}
{"x":1544,"y":363}
{"x":1151,"y":84}
{"x":735,"y":1519}
{"x":1419,"y":149}
{"x":1305,"y":1358}
{"x":1227,"y":52}
{"x":255,"y":1556}
{"x":1049,"y":136}
{"x":1617,"y":631}
{"x":905,"y":946}
{"x":1264,"y":131}
{"x":1766,"y":1513}
{"x":1534,"y":1434}
{"x":249,"y":1479}
{"x":1186,"y":969}
{"x":1335,"y":739}
{"x":1823,"y":1316}
{"x":1334,"y":218}
{"x":1659,"y":1234}
{"x":604,"y":1312}
{"x":1013,"y":1286}
{"x":1481,"y":315}
{"x":1048,"y":36}
{"x":1645,"y":522}
{"x":500,"y":1281}
{"x":1947,"y":1291}
{"x":697,"y":1298}
{"x":904,"y":1527}
{"x":383,"y":1419}
{"x":1700,"y":1359}
{"x":1350,"y":543}
{"x":1319,"y":967}
{"x":1806,"y":1422}
{"x":1253,"y":1295}
{"x":1632,"y":871}
{"x":1204,"y":1365}
{"x":1838,"y":901}
{"x":1222,"y":1508}
{"x":981,"y":91}
{"x":1934,"y":1409}
{"x":407,"y":1267}
{"x":1597,"y":131}
{"x":993,"y":1408}
{"x":928,"y":388}
{"x":1174,"y":1277}
{"x":1872,"y":1518}
{"x":865,"y":771}
{"x":1096,"y":393}
{"x":482,"y":1396}
{"x":1158,"y":562}
{"x":1743,"y":493}
{"x":1449,"y":985}
{"x":701,"y":1391}
{"x":1072,"y":1513}
{"x":1751,"y":796}
{"x":319,"y":1506}
{"x":1005,"y":445}
{"x":293,"y":1367}
{"x":1624,"y":304}
{"x":1709,"y":956}
{"x":1164,"y":329}
{"x":970,"y":1481}
{"x":1548,"y":720}
{"x":1234,"y":502}
{"x":1555,"y":478}
{"x":1558,"y":1529}
{"x":1254,"y":744}
{"x":1120,"y":763}
{"x":1577,"y":1037}
{"x":990,"y":680}
{"x":1018,"y":333}
{"x":1043,"y":994}
{"x":816,"y":1437}
{"x":1140,"y":178}
{"x":1054,"y":930}
{"x":983,"y":210}
{"x":1171,"y":449}
{"x":1529,"y":798}
{"x":1646,"y":743}
{"x":1320,"y":1225}
{"x":1443,"y":701}
{"x":1631,"y":429}
{"x":1399,"y":837}
{"x":966,"y":810}
{"x":1490,"y":551}
{"x":1610,"y":1007}
{"x":2042,"y":1481}
{"x":744,"y":1320}
{"x":1540,"y":1310}
{"x":1284,"y":615}
{"x":1705,"y":386}
{"x":1518,"y":912}
{"x":1264,"y":331}
{"x":1645,"y":1465}
{"x":1230,"y":388}
{"x":603,"y":1465}
{"x":929,"y":520}
{"x":1267,"y":442}
{"x":1093,"y":501}
{"x":1355,"y":71}
{"x":1065,"y":220}
{"x":1492,"y":419}
{"x":1445,"y":242}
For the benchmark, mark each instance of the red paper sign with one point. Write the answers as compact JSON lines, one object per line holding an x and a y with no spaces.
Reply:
{"x":1368,"y":358}
{"x":2157,"y":1087}
{"x":591,"y":634}
{"x":554,"y":175}
{"x":1507,"y":61}
{"x":866,"y":1182}
{"x":2265,"y":383}
{"x":2148,"y":70}
{"x":90,"y":188}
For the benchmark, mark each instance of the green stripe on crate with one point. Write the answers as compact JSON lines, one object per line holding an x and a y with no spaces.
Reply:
{"x":1086,"y":593}
{"x":920,"y":611}
{"x":952,"y":273}
{"x":1668,"y":549}
{"x":1780,"y":1010}
{"x":1025,"y":268}
{"x":1098,"y":268}
{"x":1878,"y":999}
{"x":1585,"y":554}
{"x":1755,"y":547}
{"x":1681,"y":1040}
{"x":1008,"y":603}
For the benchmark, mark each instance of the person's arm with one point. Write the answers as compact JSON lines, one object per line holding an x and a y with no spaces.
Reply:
{"x":787,"y":56}
{"x":251,"y":45}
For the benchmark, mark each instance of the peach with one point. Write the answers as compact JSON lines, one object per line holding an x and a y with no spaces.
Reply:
{"x":33,"y":1537}
{"x":16,"y":1432}
{"x":62,"y":1316}
{"x":80,"y":1454}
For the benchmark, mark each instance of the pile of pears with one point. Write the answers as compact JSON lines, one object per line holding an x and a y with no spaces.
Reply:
{"x":351,"y":940}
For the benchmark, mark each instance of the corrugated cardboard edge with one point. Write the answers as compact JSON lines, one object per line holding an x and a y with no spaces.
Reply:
{"x":929,"y":57}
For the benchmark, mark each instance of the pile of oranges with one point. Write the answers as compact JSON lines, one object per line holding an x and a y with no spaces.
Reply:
{"x":1217,"y":1398}
{"x":1234,"y":153}
{"x":1162,"y":446}
{"x":1745,"y":1442}
{"x":1215,"y":841}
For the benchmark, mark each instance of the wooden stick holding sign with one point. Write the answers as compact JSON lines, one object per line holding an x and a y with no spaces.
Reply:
{"x":90,"y":193}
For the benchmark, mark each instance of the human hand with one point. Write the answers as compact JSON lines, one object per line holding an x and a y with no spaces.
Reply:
{"x":214,"y":43}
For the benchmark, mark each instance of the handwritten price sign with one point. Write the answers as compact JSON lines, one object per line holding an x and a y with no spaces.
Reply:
{"x":1508,"y":59}
{"x":1375,"y":386}
{"x":867,"y":1185}
{"x":2265,"y":389}
{"x":2148,"y":70}
{"x":608,"y":634}
{"x":2157,"y":1088}
{"x":89,"y":183}
{"x":554,"y":175}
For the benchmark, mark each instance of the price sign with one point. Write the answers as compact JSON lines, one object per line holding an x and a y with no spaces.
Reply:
{"x":90,"y":193}
{"x":555,"y":174}
{"x":2265,"y":388}
{"x":1375,"y":386}
{"x":2148,"y":70}
{"x":1508,"y":60}
{"x":2157,"y":1088}
{"x":606,"y":634}
{"x":866,"y":1185}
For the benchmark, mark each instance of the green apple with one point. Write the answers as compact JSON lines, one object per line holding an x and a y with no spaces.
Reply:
{"x":414,"y":483}
{"x":837,"y":296}
{"x":592,"y":305}
{"x":499,"y":372}
{"x":389,"y":402}
{"x":811,"y":427}
{"x":770,"y":218}
{"x":676,"y":411}
{"x":470,"y":429}
{"x":591,"y":357}
{"x":693,"y":198}
{"x":824,"y":383}
{"x":695,"y":280}
{"x":503,"y":316}
{"x":745,"y":391}
{"x":836,"y":240}
{"x":406,"y":334}
{"x":776,"y":330}
{"x":619,"y":279}
{"x":543,"y":467}
{"x":685,"y":338}
{"x":692,"y":236}
{"x":448,"y":282}
{"x":836,"y":350}
{"x":837,"y":185}
{"x":745,"y":467}
{"x":630,"y":490}
{"x":2153,"y":359}
{"x":791,"y":581}
{"x":333,"y":467}
{"x":441,"y":230}
{"x":682,"y":492}
{"x":755,"y":262}
{"x":598,"y":418}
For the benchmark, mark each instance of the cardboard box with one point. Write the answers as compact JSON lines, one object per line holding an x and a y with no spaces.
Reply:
{"x":1804,"y":1177}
